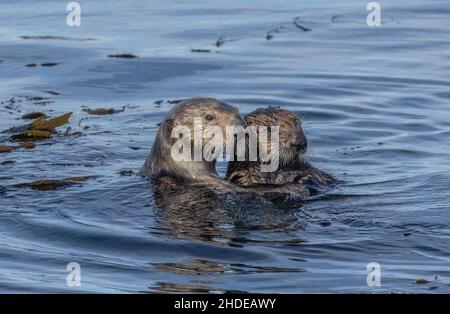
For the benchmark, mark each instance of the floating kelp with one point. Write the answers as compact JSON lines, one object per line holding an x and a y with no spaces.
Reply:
{"x":11,"y":104}
{"x":34,"y":115}
{"x":270,"y":34}
{"x":50,"y":124}
{"x":159,"y":102}
{"x":126,"y":173}
{"x":51,"y":92}
{"x":6,"y":149}
{"x":40,"y":129}
{"x":299,"y":25}
{"x":69,"y":132}
{"x":123,"y":56}
{"x":36,"y":98}
{"x":46,"y":37}
{"x":103,"y":111}
{"x":32,"y":135}
{"x":222,"y":40}
{"x":28,"y":145}
{"x":45,"y":185}
{"x":175,"y":101}
{"x":80,"y":179}
{"x":201,"y":50}
{"x":50,"y":185}
{"x":50,"y":64}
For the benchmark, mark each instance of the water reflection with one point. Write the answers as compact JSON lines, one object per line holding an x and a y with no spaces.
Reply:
{"x":202,"y":272}
{"x":213,"y":216}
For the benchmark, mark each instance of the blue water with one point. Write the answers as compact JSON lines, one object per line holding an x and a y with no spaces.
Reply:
{"x":375,"y":104}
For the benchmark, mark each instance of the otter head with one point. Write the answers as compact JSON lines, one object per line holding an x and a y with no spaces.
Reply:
{"x":191,"y":125}
{"x":292,"y":140}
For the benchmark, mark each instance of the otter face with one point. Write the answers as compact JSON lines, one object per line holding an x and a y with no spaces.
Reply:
{"x":292,"y":140}
{"x":208,"y":119}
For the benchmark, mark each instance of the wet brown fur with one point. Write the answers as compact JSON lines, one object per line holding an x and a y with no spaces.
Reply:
{"x":167,"y":173}
{"x":160,"y":165}
{"x":293,"y":168}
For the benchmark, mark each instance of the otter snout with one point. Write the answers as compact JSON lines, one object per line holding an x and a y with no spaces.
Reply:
{"x":239,"y":121}
{"x":301,"y":143}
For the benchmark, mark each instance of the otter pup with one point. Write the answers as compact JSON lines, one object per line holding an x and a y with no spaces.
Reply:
{"x":293,"y":168}
{"x":160,"y":164}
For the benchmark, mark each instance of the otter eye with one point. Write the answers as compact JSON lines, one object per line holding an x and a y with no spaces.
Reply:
{"x":209,"y":117}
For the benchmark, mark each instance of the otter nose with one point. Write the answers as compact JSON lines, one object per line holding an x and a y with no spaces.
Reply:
{"x":301,"y":142}
{"x":240,"y":121}
{"x":236,"y":118}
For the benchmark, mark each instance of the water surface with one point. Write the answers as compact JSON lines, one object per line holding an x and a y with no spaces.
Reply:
{"x":375,"y":106}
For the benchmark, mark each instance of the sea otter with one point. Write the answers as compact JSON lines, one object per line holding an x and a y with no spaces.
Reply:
{"x":293,"y":168}
{"x":160,"y":164}
{"x":166,"y":172}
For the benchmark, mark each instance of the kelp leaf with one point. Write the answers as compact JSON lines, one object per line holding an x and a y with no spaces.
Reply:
{"x":79,"y":179}
{"x":123,"y":55}
{"x":100,"y":111}
{"x":6,"y":149}
{"x":34,"y":135}
{"x":36,"y":123}
{"x":50,"y":185}
{"x":34,"y":115}
{"x":51,"y":124}
{"x":103,"y":111}
{"x":45,"y":185}
{"x":28,"y":145}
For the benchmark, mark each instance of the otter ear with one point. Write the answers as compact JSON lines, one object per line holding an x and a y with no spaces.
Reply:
{"x":168,"y":125}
